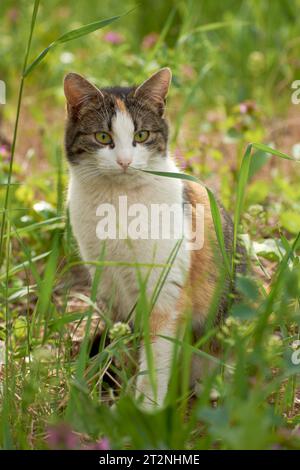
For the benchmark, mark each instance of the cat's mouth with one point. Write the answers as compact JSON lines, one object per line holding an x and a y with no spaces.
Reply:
{"x":130,"y":170}
{"x":124,"y":170}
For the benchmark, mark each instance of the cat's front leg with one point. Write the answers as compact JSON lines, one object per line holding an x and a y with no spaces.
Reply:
{"x":161,"y":324}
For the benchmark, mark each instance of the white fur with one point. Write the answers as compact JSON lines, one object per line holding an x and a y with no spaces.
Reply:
{"x":100,"y":179}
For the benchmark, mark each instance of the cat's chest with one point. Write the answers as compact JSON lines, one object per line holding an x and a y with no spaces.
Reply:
{"x":122,"y":212}
{"x":88,"y":201}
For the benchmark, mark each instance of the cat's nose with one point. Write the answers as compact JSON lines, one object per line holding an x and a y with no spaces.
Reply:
{"x":124,"y":163}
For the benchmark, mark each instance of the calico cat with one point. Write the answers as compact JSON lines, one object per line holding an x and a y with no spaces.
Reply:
{"x":111,"y":135}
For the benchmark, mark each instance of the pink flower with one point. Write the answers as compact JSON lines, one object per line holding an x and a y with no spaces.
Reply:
{"x":214,"y":116}
{"x":150,"y":40}
{"x":179,"y":157}
{"x":113,"y":37}
{"x":194,"y":160}
{"x":103,"y":444}
{"x":61,"y":436}
{"x":4,"y":151}
{"x":188,"y":71}
{"x":247,"y":107}
{"x":203,"y":139}
{"x":13,"y":15}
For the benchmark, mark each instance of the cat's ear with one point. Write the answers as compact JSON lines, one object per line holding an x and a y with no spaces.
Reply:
{"x":77,"y":90}
{"x":156,"y":87}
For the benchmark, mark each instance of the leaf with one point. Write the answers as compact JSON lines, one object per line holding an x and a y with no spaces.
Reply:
{"x":269,"y":249}
{"x":242,"y":182}
{"x":86,"y":29}
{"x":290,"y":220}
{"x":247,"y":287}
{"x":243,"y":311}
{"x":272,"y":151}
{"x":259,"y":159}
{"x":209,"y":27}
{"x":48,"y":280}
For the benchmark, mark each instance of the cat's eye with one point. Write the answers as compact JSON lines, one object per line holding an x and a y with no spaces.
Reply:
{"x":141,"y":136}
{"x":103,"y":138}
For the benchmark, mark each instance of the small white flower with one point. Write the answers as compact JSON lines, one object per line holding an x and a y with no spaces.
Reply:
{"x":118,"y":330}
{"x":296,"y":151}
{"x":66,"y":57}
{"x":42,"y":206}
{"x":296,"y":344}
{"x":2,"y":353}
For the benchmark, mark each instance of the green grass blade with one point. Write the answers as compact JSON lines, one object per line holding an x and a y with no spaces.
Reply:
{"x":267,"y":149}
{"x":70,"y":36}
{"x":37,"y":225}
{"x":163,"y":34}
{"x":16,"y":126}
{"x":263,"y":319}
{"x":214,"y":209}
{"x":242,"y":182}
{"x":86,"y":29}
{"x":47,"y":283}
{"x":206,"y":28}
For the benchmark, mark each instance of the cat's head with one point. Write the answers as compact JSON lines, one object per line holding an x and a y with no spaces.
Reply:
{"x":112,"y":130}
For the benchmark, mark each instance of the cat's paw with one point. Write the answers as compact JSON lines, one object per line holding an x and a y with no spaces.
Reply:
{"x":145,"y":397}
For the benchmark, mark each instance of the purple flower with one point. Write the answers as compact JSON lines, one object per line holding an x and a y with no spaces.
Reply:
{"x":188,"y":71}
{"x":4,"y":151}
{"x":203,"y":139}
{"x":13,"y":15}
{"x":247,"y":107}
{"x":179,"y":158}
{"x":194,"y":160}
{"x":113,"y":37}
{"x":61,"y":436}
{"x":150,"y":40}
{"x":103,"y":444}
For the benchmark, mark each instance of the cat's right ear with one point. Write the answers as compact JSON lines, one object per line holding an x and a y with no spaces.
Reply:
{"x":156,"y":88}
{"x":78,"y":90}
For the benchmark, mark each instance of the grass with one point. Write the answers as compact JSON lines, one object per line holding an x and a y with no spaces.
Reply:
{"x":218,"y":105}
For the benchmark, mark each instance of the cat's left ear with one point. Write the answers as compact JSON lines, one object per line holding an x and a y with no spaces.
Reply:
{"x":156,"y":87}
{"x":78,"y":90}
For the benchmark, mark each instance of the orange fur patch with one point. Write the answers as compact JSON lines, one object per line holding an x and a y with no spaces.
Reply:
{"x":121,"y":105}
{"x":197,"y":295}
{"x":203,"y":273}
{"x":158,"y":320}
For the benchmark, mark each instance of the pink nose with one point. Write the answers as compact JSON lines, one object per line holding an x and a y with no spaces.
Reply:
{"x":124,"y":164}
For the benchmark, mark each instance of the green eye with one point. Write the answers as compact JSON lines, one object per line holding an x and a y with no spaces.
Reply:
{"x":141,"y":136}
{"x":103,"y":138}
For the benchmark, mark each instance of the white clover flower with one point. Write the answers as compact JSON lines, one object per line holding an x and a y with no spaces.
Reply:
{"x":118,"y":330}
{"x":66,"y":58}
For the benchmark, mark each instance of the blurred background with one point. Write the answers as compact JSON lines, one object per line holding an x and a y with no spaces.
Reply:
{"x":233,"y":64}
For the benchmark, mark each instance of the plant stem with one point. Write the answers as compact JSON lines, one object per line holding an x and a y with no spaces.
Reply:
{"x":6,"y":391}
{"x":6,"y":199}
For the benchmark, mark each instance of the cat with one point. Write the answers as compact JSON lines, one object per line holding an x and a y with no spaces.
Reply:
{"x":112,"y":135}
